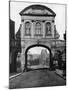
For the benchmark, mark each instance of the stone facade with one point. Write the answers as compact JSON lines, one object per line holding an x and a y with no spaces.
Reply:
{"x":37,"y":28}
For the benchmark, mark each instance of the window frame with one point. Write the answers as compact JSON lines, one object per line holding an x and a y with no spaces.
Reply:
{"x":38,"y":30}
{"x":28,"y":28}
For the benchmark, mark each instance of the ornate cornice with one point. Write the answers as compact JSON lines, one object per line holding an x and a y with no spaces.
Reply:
{"x":41,"y":15}
{"x":43,"y":20}
{"x":53,"y":21}
{"x":32,"y":20}
{"x":22,"y":20}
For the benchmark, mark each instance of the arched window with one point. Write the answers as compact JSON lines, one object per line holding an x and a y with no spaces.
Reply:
{"x":27,"y":28}
{"x":48,"y":28}
{"x":38,"y":28}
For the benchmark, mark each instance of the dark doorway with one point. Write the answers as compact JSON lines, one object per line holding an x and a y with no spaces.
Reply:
{"x":37,"y":57}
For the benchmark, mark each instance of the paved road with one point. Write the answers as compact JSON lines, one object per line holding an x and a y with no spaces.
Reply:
{"x":36,"y":78}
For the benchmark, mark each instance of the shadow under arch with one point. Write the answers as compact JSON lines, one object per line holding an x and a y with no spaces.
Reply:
{"x":38,"y":45}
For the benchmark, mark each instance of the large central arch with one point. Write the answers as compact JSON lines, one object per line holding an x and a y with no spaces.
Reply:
{"x":38,"y":46}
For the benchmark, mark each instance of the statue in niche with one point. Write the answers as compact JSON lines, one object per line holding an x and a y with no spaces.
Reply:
{"x":48,"y":28}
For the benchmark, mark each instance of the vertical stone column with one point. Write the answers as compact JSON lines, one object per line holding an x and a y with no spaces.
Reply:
{"x":32,"y":29}
{"x":22,"y":29}
{"x":22,"y":46}
{"x":43,"y":27}
{"x":22,"y":54}
{"x":52,"y":28}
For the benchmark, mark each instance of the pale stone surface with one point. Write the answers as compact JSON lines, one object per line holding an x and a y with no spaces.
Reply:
{"x":27,"y":41}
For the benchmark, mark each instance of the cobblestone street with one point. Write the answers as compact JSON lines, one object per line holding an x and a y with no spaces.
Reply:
{"x":36,"y":78}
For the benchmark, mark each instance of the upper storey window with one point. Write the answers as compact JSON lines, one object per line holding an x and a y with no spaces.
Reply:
{"x":27,"y":28}
{"x":38,"y":28}
{"x":48,"y":28}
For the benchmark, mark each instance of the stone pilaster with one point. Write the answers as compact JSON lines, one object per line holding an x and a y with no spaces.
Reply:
{"x":22,"y":29}
{"x":32,"y":29}
{"x":22,"y":54}
{"x":43,"y":28}
{"x":52,"y":28}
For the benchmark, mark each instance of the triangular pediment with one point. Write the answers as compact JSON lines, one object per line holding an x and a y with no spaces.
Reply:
{"x":37,"y":10}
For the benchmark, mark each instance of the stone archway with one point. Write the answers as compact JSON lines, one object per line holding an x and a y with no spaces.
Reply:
{"x":38,"y":46}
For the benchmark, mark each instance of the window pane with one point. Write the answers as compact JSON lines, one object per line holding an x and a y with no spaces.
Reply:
{"x":38,"y":28}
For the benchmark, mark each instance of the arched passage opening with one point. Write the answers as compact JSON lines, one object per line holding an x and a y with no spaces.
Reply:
{"x":37,"y":56}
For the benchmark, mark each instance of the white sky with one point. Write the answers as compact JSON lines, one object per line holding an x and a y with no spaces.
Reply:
{"x":37,"y":50}
{"x":17,"y":7}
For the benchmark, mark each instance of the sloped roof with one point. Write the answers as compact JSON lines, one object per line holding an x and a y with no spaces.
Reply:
{"x":37,"y":7}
